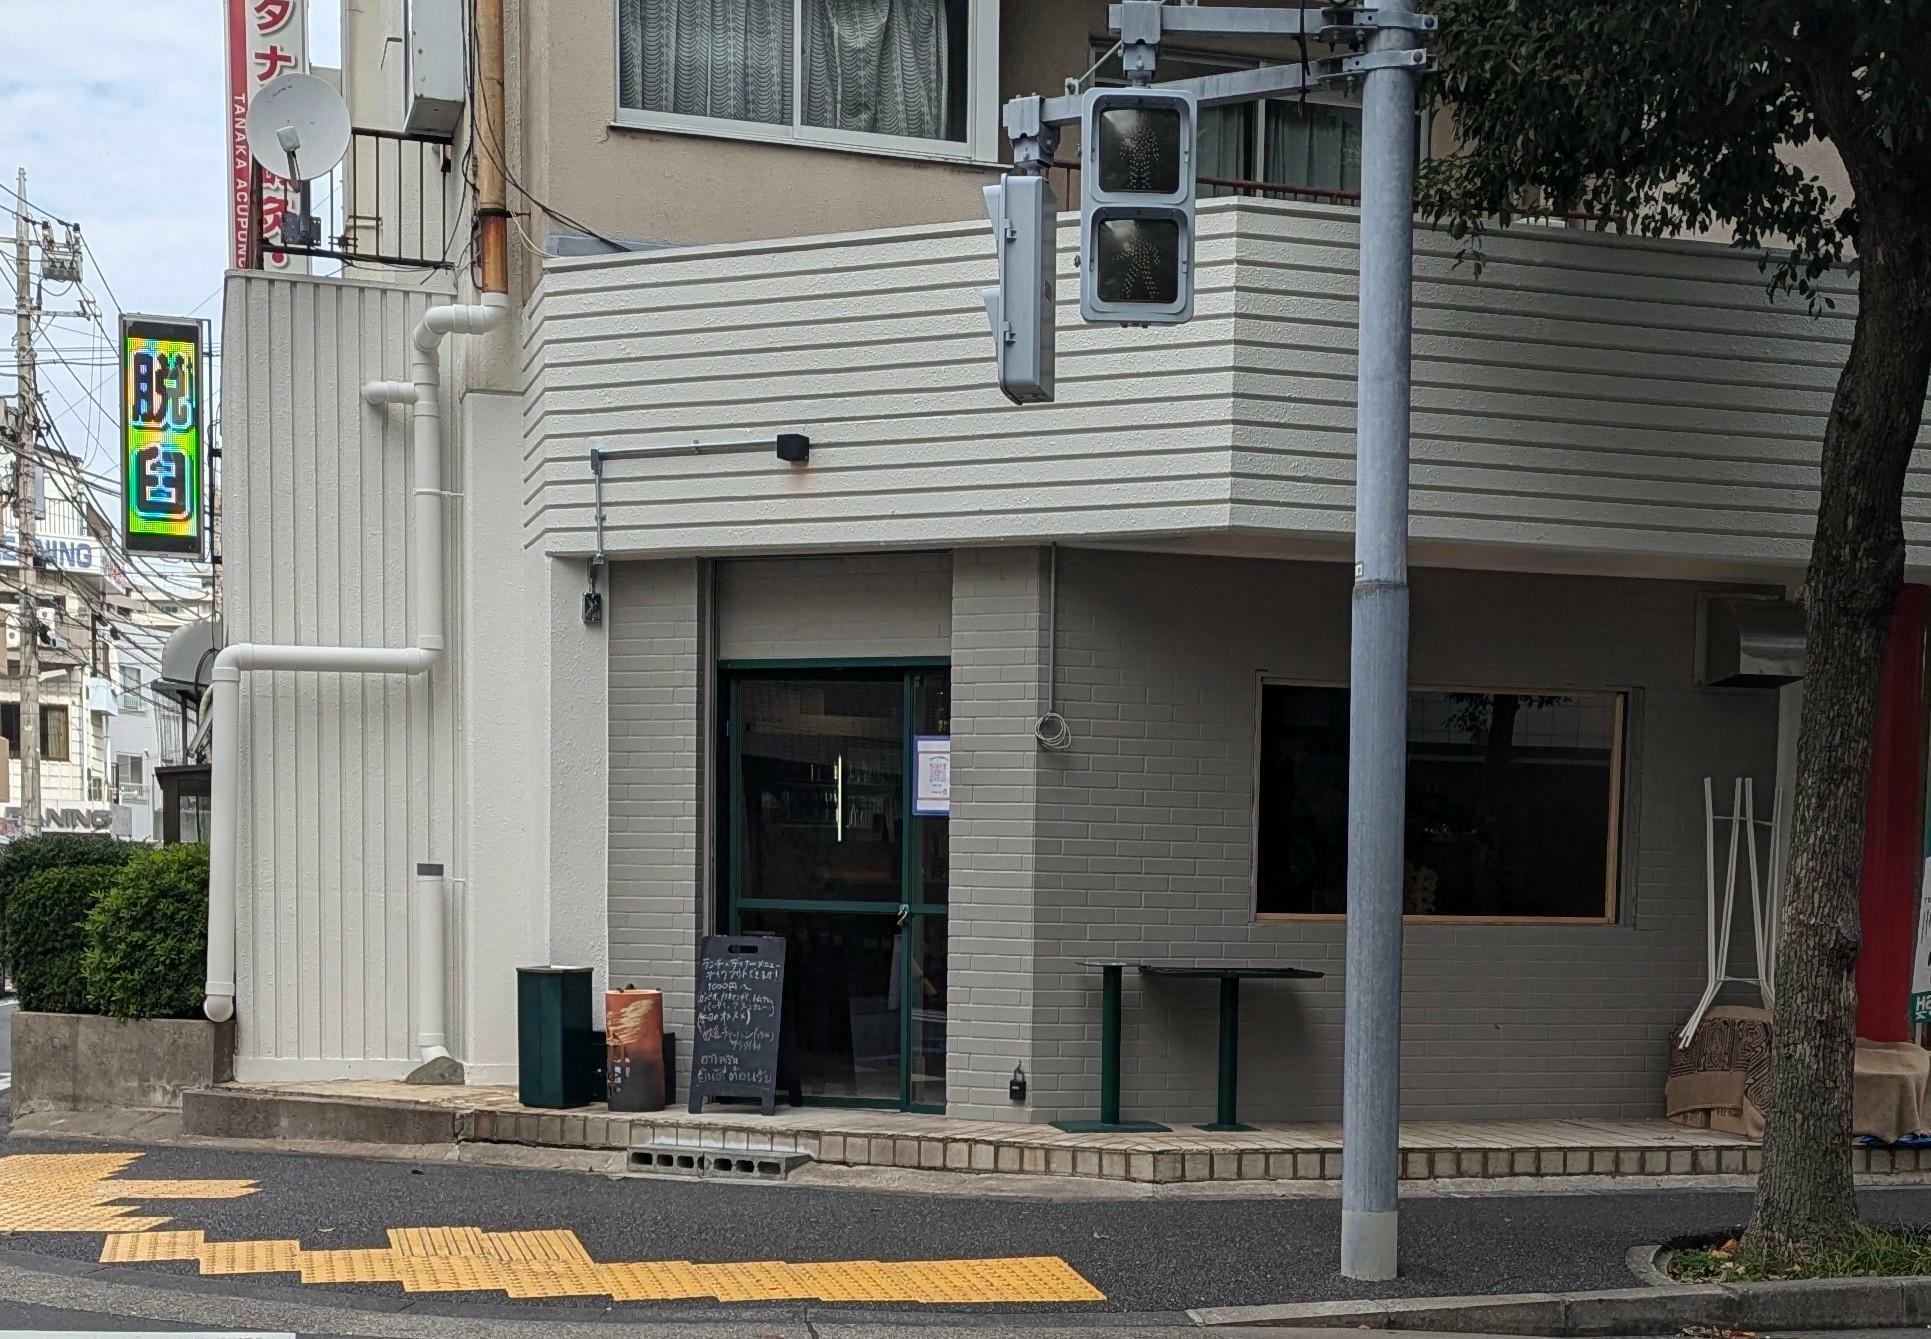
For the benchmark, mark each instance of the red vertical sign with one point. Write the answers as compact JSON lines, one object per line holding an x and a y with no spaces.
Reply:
{"x":266,"y":38}
{"x":238,"y":160}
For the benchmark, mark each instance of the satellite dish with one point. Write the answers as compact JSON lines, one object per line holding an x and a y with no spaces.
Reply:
{"x":298,"y":127}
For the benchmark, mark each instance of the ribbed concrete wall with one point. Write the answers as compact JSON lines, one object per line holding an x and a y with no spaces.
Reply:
{"x":346,"y":781}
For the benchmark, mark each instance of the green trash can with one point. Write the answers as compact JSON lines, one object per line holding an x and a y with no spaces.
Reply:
{"x":555,"y":1048}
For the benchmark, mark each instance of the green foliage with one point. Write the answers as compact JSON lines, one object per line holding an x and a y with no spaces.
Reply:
{"x":147,"y":938}
{"x":1866,"y":1252}
{"x":21,"y":859}
{"x":1665,"y":118}
{"x":47,"y":926}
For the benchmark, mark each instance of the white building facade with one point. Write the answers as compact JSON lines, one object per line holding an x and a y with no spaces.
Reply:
{"x":1606,"y":431}
{"x":77,"y":697}
{"x":1123,"y":616}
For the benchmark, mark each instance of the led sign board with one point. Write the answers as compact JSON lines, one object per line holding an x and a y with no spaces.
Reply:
{"x":162,"y":471}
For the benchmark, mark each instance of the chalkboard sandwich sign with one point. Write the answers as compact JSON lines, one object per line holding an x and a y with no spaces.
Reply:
{"x":740,"y":1013}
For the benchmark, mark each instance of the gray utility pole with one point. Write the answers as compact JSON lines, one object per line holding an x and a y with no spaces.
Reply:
{"x":1395,"y":37}
{"x":1378,"y":666}
{"x":26,"y":436}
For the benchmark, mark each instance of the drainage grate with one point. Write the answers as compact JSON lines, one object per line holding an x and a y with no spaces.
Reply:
{"x":684,"y":1160}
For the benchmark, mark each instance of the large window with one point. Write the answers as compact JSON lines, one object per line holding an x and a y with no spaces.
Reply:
{"x":1512,"y":808}
{"x":861,"y":73}
{"x":53,"y":731}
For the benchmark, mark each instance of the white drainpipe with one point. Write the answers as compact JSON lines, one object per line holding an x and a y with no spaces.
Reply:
{"x":421,"y":392}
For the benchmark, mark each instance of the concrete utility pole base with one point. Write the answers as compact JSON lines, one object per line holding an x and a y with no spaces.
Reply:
{"x":1368,"y":1244}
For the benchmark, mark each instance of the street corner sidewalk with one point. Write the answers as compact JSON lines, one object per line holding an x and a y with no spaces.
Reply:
{"x":1797,"y":1304}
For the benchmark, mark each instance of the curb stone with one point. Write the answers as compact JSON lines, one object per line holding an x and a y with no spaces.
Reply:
{"x":1796,"y":1304}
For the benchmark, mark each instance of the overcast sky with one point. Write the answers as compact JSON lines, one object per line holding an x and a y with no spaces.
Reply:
{"x":115,"y":108}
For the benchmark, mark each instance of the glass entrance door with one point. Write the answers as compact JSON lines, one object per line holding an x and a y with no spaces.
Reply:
{"x":825,"y":849}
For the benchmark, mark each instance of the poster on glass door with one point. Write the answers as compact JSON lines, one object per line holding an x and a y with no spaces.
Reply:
{"x":932,"y":774}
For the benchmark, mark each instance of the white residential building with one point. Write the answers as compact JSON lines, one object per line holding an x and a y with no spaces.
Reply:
{"x":1610,"y":435}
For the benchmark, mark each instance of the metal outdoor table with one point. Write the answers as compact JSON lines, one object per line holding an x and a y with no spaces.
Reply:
{"x":1230,"y":977}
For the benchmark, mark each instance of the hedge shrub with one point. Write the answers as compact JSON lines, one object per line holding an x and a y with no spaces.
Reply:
{"x":25,"y":857}
{"x":147,"y":937}
{"x":47,"y":925}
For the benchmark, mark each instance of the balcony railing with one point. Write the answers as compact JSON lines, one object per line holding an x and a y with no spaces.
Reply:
{"x":385,"y":205}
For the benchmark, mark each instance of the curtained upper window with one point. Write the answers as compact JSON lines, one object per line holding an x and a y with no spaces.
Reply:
{"x":895,"y":68}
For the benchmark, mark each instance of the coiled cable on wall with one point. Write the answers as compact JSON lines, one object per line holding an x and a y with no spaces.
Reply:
{"x":1051,"y":730}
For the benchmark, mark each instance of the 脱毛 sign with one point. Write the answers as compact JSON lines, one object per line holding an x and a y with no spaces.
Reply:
{"x":161,"y":448}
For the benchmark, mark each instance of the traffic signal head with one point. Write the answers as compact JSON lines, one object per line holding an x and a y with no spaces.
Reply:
{"x":1137,"y":206}
{"x":1024,"y":227}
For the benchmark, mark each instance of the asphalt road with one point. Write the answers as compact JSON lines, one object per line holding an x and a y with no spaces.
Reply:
{"x":1152,"y":1257}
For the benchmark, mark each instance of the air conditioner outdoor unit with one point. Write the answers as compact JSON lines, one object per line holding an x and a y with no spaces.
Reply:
{"x":1749,"y":641}
{"x":432,"y":68}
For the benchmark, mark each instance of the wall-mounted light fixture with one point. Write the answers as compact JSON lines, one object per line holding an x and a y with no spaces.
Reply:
{"x":794,"y":448}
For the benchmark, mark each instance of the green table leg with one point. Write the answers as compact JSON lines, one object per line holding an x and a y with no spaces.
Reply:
{"x":1229,"y":1057}
{"x":1109,"y":1121}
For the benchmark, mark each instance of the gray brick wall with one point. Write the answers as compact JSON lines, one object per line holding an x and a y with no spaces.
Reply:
{"x":658,"y":840}
{"x":1137,"y":841}
{"x":993,"y":994}
{"x":1145,"y":842}
{"x":868,"y":604}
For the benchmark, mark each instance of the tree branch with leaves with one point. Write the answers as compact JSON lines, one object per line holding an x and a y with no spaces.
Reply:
{"x":1663,"y":117}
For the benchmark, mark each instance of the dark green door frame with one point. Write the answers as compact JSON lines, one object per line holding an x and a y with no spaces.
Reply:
{"x":911,"y":903}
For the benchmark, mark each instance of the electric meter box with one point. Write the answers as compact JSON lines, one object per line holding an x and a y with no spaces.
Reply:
{"x":432,"y":68}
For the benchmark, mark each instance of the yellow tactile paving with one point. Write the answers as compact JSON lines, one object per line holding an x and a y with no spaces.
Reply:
{"x":561,"y":1246}
{"x":849,"y":1281}
{"x":73,"y":1218}
{"x":754,"y":1281}
{"x":76,"y":1192}
{"x":128,"y":1248}
{"x":250,"y":1257}
{"x":554,"y":1264}
{"x":185,"y":1190}
{"x":655,"y":1281}
{"x":440,"y":1242}
{"x":450,"y":1274}
{"x":553,"y":1278}
{"x":361,"y":1266}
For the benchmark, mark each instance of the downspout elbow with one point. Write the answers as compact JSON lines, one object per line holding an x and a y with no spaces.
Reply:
{"x":389,"y":392}
{"x":461,"y":318}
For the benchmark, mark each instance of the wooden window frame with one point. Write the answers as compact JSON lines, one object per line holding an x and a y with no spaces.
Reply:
{"x":1612,"y":864}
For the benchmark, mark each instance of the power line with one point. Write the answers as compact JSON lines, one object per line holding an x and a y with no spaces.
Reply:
{"x":46,"y":214}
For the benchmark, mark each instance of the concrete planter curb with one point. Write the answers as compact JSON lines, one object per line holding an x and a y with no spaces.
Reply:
{"x":1803,"y":1304}
{"x":224,"y":1113}
{"x":83,"y":1062}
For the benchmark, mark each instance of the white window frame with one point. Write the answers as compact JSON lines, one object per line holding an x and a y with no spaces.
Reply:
{"x":981,"y":144}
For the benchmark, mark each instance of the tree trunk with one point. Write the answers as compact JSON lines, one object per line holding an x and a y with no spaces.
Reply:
{"x":1805,"y":1195}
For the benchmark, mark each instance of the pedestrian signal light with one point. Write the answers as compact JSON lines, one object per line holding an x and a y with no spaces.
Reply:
{"x":1137,"y":206}
{"x":1024,"y":223}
